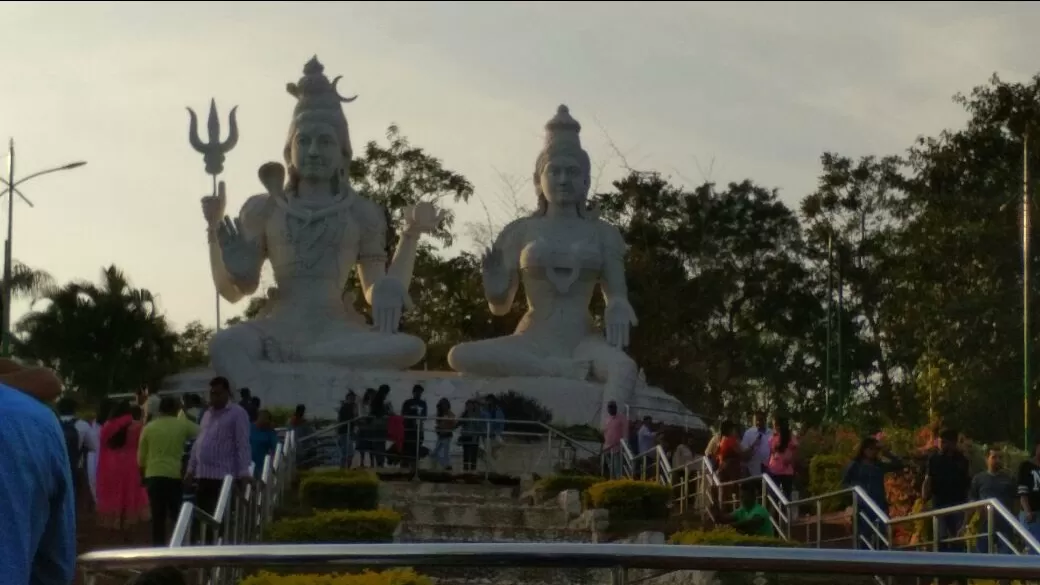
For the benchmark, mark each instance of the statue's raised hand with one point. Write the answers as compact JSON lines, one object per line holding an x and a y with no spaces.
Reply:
{"x":494,"y":271}
{"x":421,"y":218}
{"x":241,"y":257}
{"x":213,"y":206}
{"x":619,"y":318}
{"x":389,"y":300}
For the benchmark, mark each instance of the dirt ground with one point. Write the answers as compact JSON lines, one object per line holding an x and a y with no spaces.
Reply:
{"x":90,"y":537}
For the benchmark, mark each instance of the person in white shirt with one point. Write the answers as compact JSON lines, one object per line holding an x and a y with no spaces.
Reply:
{"x":645,"y":436}
{"x":760,"y":456}
{"x":88,"y":439}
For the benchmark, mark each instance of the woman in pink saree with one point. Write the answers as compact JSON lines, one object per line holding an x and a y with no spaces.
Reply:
{"x":122,"y":501}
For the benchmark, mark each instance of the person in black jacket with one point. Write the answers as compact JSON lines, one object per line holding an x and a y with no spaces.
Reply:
{"x":348,"y":412}
{"x":414,"y":411}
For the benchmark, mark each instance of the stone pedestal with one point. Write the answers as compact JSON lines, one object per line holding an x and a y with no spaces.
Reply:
{"x":321,"y":388}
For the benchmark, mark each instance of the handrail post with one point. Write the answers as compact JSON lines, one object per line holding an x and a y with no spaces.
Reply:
{"x":855,"y":521}
{"x":990,"y":529}
{"x":819,"y":524}
{"x":935,"y":533}
{"x":419,"y":436}
{"x":487,"y":451}
{"x":618,"y":576}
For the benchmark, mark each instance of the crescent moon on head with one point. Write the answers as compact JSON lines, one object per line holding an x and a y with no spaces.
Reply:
{"x":334,"y":90}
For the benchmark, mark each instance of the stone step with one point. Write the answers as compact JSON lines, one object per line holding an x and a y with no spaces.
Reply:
{"x":418,"y":533}
{"x":509,"y":515}
{"x":405,"y":491}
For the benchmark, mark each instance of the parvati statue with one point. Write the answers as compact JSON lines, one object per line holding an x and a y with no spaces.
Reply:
{"x":560,"y":254}
{"x":314,"y":229}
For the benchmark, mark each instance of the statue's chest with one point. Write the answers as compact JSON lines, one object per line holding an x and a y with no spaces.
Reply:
{"x":312,"y":242}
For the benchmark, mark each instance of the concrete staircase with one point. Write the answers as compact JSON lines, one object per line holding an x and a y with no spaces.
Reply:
{"x":433,"y":512}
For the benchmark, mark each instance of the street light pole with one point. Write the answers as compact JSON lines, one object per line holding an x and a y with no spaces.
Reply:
{"x":11,"y":191}
{"x":5,"y":341}
{"x":1026,"y":382}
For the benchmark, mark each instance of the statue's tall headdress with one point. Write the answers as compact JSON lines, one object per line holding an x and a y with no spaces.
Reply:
{"x":562,"y":133}
{"x":317,"y":99}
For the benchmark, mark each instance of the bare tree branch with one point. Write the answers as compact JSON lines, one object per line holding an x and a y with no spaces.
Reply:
{"x":507,"y":203}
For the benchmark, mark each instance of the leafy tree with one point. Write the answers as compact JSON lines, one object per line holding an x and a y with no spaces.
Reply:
{"x":398,"y":175}
{"x":193,"y":346}
{"x":850,"y":227}
{"x":955,"y":307}
{"x":101,"y":338}
{"x":29,"y":282}
{"x":726,"y":314}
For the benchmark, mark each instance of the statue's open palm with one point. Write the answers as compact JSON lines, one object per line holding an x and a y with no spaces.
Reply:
{"x":494,"y":271}
{"x":241,"y":257}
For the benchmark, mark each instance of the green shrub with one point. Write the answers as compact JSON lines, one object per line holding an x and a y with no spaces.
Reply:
{"x":518,"y":407}
{"x":825,"y":472}
{"x":728,"y":536}
{"x":390,"y":577}
{"x":280,"y":415}
{"x":581,"y":432}
{"x":725,"y":536}
{"x":554,"y":484}
{"x":336,"y":526}
{"x":629,"y":499}
{"x":342,"y":490}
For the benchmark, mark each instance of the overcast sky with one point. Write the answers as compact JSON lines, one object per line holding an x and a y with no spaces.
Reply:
{"x":760,"y":89}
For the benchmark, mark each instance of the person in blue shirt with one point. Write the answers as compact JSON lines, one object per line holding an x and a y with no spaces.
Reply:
{"x":263,"y":440}
{"x":496,"y":425}
{"x":37,"y":502}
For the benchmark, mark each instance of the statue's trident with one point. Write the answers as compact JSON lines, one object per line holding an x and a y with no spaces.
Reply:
{"x":213,"y":151}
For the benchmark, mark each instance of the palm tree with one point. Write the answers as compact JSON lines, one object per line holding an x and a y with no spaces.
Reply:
{"x":29,"y":282}
{"x":101,"y":338}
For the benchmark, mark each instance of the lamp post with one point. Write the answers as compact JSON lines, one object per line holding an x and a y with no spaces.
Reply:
{"x":11,"y":191}
{"x":1026,"y":382}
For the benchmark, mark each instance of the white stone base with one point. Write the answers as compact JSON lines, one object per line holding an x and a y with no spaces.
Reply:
{"x":321,"y":388}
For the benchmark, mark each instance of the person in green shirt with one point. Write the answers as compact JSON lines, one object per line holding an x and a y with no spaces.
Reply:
{"x":159,"y":456}
{"x":751,"y":517}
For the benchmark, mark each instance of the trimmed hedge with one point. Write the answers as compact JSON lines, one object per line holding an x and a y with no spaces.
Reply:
{"x":725,"y":536}
{"x":825,"y":472}
{"x":390,"y":577}
{"x":336,"y":527}
{"x":629,"y":499}
{"x":342,"y":490}
{"x":554,"y":484}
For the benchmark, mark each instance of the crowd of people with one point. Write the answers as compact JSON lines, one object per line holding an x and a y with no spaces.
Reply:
{"x":142,"y":458}
{"x":372,"y":435}
{"x":138,"y":460}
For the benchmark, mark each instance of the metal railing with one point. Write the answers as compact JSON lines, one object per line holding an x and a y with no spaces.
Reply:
{"x":549,"y":446}
{"x":698,"y":488}
{"x":618,"y":559}
{"x":241,"y":512}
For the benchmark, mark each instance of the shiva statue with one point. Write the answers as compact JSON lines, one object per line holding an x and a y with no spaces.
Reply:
{"x":314,"y":229}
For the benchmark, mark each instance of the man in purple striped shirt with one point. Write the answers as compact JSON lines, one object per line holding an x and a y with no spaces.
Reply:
{"x":222,"y":447}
